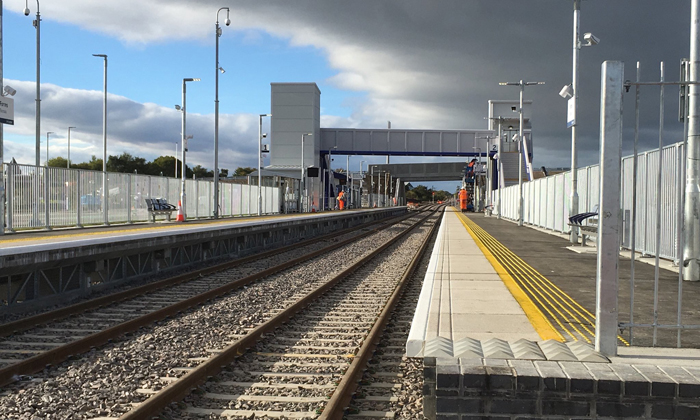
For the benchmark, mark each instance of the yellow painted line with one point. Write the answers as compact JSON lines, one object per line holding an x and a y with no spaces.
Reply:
{"x":553,"y":295}
{"x":539,"y":322}
{"x":174,"y":225}
{"x":543,"y":282}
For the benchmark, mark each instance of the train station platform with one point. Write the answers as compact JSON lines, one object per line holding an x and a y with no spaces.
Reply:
{"x":43,"y":268}
{"x":489,"y":278}
{"x":505,"y":323}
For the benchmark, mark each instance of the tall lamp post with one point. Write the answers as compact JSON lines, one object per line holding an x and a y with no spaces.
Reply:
{"x":362,"y":178}
{"x":37,"y":25}
{"x":571,"y":92}
{"x":183,"y":195}
{"x":47,"y":147}
{"x":105,"y":192}
{"x":522,"y":85}
{"x":216,"y":111}
{"x":260,"y":137}
{"x":302,"y":180}
{"x":68,"y":163}
{"x":330,"y":171}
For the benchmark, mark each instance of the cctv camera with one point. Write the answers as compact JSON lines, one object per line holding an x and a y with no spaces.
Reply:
{"x":26,"y":11}
{"x":9,"y":90}
{"x":227,"y":22}
{"x":566,"y":92}
{"x":590,"y":39}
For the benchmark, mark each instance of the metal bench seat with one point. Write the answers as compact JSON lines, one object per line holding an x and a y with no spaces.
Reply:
{"x":159,"y":206}
{"x":590,"y":228}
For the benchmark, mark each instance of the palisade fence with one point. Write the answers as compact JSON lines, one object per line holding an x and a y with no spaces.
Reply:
{"x":41,"y":197}
{"x":547,"y":200}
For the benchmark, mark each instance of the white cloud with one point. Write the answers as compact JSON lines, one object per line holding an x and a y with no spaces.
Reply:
{"x":421,"y":65}
{"x":146,"y":130}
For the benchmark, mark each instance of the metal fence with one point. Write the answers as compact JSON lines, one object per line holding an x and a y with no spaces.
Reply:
{"x":547,"y":200}
{"x":41,"y":197}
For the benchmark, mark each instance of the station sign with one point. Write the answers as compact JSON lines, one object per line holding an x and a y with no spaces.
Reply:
{"x":7,"y":110}
{"x":571,"y":113}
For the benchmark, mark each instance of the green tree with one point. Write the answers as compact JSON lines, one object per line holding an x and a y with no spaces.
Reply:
{"x":240,"y":171}
{"x":166,"y":166}
{"x":202,"y":172}
{"x":58,"y":162}
{"x":126,"y":163}
{"x":94,"y":164}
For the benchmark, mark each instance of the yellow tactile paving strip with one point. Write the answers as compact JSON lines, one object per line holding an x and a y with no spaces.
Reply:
{"x":536,"y":294}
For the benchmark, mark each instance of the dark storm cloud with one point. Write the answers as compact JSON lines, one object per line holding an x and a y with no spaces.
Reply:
{"x":432,"y":64}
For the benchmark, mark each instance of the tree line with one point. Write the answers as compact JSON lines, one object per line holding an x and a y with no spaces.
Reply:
{"x":425,"y":194}
{"x":160,"y":166}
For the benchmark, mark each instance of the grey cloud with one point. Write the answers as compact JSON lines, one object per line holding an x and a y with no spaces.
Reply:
{"x":435,"y":64}
{"x":146,"y":130}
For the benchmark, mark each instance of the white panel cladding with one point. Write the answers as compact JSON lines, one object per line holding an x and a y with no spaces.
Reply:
{"x":435,"y":142}
{"x":397,"y":141}
{"x":414,"y":141}
{"x":295,"y":111}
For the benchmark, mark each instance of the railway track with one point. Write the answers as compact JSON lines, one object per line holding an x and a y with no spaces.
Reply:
{"x":32,"y":343}
{"x":320,"y":351}
{"x":174,"y":352}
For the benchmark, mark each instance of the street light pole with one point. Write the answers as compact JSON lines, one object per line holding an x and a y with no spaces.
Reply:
{"x":330,"y":171}
{"x":260,"y":163}
{"x":47,"y":147}
{"x":573,"y":202}
{"x":522,"y":85}
{"x":105,"y":192}
{"x":68,"y":163}
{"x":216,"y":112}
{"x":302,"y":180}
{"x":37,"y":25}
{"x":362,"y":179}
{"x":183,"y":194}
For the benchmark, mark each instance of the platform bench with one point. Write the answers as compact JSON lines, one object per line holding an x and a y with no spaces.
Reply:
{"x":159,"y":206}
{"x":587,"y":222}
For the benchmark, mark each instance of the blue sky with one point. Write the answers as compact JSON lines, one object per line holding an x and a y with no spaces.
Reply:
{"x":421,"y":65}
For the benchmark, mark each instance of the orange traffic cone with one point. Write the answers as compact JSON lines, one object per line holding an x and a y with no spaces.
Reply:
{"x":180,"y":216}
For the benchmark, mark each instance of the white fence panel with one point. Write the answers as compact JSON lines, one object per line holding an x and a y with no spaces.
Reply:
{"x":41,"y":197}
{"x":547,"y":199}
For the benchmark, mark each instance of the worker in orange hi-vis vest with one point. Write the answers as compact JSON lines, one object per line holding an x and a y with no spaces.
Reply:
{"x":341,"y":200}
{"x":463,"y":197}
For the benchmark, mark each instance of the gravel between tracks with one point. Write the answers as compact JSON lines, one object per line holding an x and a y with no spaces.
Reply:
{"x":105,"y":381}
{"x":276,"y":259}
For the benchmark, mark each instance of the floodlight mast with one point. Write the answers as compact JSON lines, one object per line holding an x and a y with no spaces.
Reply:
{"x":572,"y":92}
{"x":522,"y":85}
{"x":183,"y":194}
{"x":216,"y":111}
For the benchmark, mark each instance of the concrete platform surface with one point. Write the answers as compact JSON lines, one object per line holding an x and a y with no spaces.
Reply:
{"x":463,"y":296}
{"x":34,"y":241}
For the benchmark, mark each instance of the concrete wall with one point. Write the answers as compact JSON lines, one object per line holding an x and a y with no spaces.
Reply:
{"x":494,"y":389}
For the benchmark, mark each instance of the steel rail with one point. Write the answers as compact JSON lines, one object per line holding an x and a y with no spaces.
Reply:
{"x":24,"y":324}
{"x":339,"y":401}
{"x":59,"y":354}
{"x":179,"y":389}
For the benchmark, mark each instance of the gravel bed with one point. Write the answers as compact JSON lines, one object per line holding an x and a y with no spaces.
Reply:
{"x":389,"y":267}
{"x":105,"y":317}
{"x":105,"y":381}
{"x":10,"y":317}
